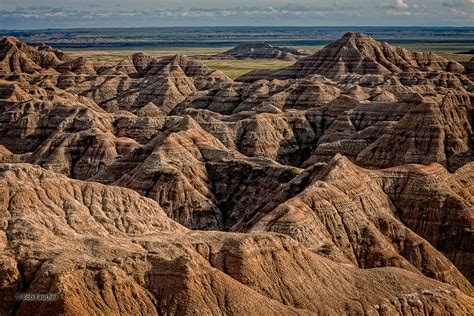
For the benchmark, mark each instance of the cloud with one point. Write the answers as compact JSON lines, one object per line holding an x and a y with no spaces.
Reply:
{"x":400,"y":13}
{"x":343,"y":5}
{"x":331,"y":12}
{"x":285,"y":10}
{"x":43,"y":13}
{"x":458,"y":3}
{"x":397,"y":4}
{"x":462,"y":13}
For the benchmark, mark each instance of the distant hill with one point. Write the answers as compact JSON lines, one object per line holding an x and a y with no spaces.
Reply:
{"x":263,"y":50}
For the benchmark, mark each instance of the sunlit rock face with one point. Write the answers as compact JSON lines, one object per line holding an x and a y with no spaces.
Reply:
{"x":341,"y":184}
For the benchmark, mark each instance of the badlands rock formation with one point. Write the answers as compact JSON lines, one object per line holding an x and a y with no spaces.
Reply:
{"x":356,"y":53}
{"x":107,"y":250}
{"x":340,"y":185}
{"x":262,"y":50}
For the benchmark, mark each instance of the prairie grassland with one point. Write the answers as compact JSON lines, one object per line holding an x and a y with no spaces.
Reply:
{"x":460,"y":58}
{"x":235,"y":68}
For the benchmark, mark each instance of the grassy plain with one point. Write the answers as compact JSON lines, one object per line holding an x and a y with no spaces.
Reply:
{"x":234,"y":68}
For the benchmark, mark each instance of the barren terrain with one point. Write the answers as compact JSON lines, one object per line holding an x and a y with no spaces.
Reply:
{"x":339,"y":183}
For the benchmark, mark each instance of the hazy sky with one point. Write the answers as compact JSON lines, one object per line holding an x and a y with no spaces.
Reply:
{"x":29,"y":14}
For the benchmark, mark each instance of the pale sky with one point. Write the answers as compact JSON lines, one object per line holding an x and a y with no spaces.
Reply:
{"x":29,"y":14}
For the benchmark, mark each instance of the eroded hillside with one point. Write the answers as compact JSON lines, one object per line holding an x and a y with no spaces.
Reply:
{"x":341,"y":184}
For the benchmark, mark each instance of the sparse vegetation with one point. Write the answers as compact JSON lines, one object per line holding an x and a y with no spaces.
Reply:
{"x":169,"y":171}
{"x":295,"y":171}
{"x":235,"y":68}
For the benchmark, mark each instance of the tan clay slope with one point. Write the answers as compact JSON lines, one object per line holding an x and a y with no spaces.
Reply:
{"x":18,"y":57}
{"x":60,"y":131}
{"x":384,"y":134}
{"x":352,"y":215}
{"x":396,"y":128}
{"x":183,"y":167}
{"x":141,"y":81}
{"x":357,"y":53}
{"x":108,"y":250}
{"x":204,"y":186}
{"x":171,"y":169}
{"x":375,"y":120}
{"x":131,"y":84}
{"x":437,"y":205}
{"x":221,"y":155}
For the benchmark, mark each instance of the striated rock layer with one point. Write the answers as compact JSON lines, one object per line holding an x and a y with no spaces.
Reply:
{"x":339,"y":185}
{"x":378,"y":218}
{"x":112,"y":251}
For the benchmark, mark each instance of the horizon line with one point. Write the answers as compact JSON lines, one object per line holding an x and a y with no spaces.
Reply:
{"x":240,"y":26}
